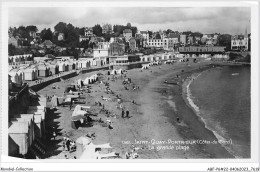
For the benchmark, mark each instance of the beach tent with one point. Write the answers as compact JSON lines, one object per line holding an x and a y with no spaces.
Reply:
{"x":94,"y":63}
{"x":29,"y":74}
{"x":119,"y":71}
{"x":80,"y":82}
{"x":61,"y":67}
{"x":54,"y":101}
{"x":21,"y":72}
{"x":79,"y":65}
{"x":90,"y":152}
{"x":54,"y":68}
{"x":71,"y":66}
{"x":80,"y":144}
{"x":71,"y":87}
{"x":77,"y":115}
{"x":14,"y":76}
{"x":96,"y":77}
{"x":90,"y":80}
{"x":18,"y":132}
{"x":20,"y":76}
{"x":113,"y":72}
{"x":89,"y":63}
{"x":86,"y":81}
{"x":35,"y":69}
{"x":66,"y":65}
{"x":75,"y":65}
{"x":93,"y":77}
{"x":83,"y":64}
{"x":26,"y":118}
{"x":39,"y":126}
{"x":43,"y":70}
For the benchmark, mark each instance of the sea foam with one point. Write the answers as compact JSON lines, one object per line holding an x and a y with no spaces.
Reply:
{"x":198,"y":113}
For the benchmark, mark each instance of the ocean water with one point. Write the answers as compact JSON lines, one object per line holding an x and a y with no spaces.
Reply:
{"x":221,"y":97}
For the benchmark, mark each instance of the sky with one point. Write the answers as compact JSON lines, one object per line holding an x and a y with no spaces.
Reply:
{"x":230,"y":20}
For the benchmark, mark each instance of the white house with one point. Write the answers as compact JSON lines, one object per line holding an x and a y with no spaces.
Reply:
{"x":145,"y":34}
{"x":239,"y":42}
{"x":155,"y":43}
{"x":102,"y":50}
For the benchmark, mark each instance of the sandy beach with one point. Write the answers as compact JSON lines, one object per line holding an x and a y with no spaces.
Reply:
{"x":152,"y":126}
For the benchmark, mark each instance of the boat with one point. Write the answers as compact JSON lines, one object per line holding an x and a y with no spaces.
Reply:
{"x":234,"y":74}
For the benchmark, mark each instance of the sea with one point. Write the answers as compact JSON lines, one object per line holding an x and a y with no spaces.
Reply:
{"x":222,"y":99}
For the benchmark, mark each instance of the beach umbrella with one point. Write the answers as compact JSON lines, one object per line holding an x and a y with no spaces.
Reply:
{"x":83,"y":140}
{"x":78,"y":114}
{"x":80,"y":144}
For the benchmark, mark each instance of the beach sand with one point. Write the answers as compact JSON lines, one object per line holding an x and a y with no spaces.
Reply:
{"x":152,"y":125}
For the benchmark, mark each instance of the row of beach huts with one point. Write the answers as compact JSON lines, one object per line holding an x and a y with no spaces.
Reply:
{"x":26,"y":130}
{"x":30,"y":72}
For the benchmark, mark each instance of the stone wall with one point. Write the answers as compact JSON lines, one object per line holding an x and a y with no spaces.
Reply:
{"x":42,"y":85}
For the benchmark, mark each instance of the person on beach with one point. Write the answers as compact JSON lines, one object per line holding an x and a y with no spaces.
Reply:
{"x":127,"y":113}
{"x":123,"y":113}
{"x":68,"y":145}
{"x":54,"y":135}
{"x":64,"y":145}
{"x":70,"y":104}
{"x":178,"y":119}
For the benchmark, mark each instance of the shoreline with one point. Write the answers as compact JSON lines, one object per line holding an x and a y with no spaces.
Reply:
{"x":202,"y":133}
{"x":151,"y":118}
{"x":187,"y":96}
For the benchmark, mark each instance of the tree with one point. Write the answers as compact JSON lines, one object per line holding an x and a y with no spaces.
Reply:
{"x":46,"y":34}
{"x":197,"y":34}
{"x":84,"y":44}
{"x":12,"y":31}
{"x":187,"y":33}
{"x":97,"y":30}
{"x":11,"y":50}
{"x":168,"y":31}
{"x":107,"y":37}
{"x":71,"y":36}
{"x":22,"y":32}
{"x":92,"y":45}
{"x":134,"y":31}
{"x":128,"y":25}
{"x":81,"y":31}
{"x":157,"y":36}
{"x":225,"y":40}
{"x":150,"y":34}
{"x":61,"y":27}
{"x":31,"y":28}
